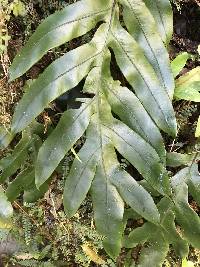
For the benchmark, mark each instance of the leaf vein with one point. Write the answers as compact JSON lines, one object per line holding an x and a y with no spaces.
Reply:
{"x":126,"y":53}
{"x":148,"y":42}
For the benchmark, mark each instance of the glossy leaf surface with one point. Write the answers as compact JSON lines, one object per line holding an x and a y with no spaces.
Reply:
{"x":19,"y":184}
{"x":188,"y":86}
{"x":155,"y":253}
{"x":157,"y":238}
{"x":162,"y":13}
{"x":175,"y":159}
{"x":69,"y":129}
{"x":82,"y":173}
{"x":5,"y":137}
{"x":189,"y":175}
{"x":10,"y":164}
{"x":73,"y":21}
{"x":190,"y":224}
{"x":141,"y":76}
{"x":115,"y":119}
{"x":6,"y":211}
{"x":179,"y":62}
{"x":142,"y":27}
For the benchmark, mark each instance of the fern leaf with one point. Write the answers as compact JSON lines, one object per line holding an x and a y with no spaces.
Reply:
{"x":179,"y":62}
{"x":58,"y":78}
{"x":6,"y":209}
{"x":175,"y":159}
{"x":187,"y":86}
{"x":5,"y":137}
{"x":142,"y":111}
{"x":135,"y":195}
{"x":190,"y":224}
{"x":73,"y":21}
{"x":140,"y":154}
{"x":189,"y":175}
{"x":133,"y":63}
{"x":139,"y":235}
{"x":10,"y":164}
{"x":108,"y":211}
{"x":82,"y":173}
{"x":142,"y":27}
{"x":17,"y":185}
{"x":157,"y":238}
{"x":171,"y":235}
{"x":130,"y":110}
{"x":154,"y":254}
{"x":162,"y":13}
{"x":69,"y":129}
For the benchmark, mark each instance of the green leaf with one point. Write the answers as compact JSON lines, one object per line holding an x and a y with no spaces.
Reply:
{"x":69,"y":129}
{"x":194,"y":183}
{"x":141,"y":25}
{"x":171,"y":235}
{"x":197,"y":132}
{"x":149,"y":233}
{"x":179,"y":62}
{"x":130,"y":110}
{"x":22,"y":180}
{"x":190,"y":224}
{"x":139,"y":153}
{"x":188,"y":85}
{"x":108,"y":209}
{"x":175,"y":159}
{"x":82,"y":173}
{"x":127,"y":106}
{"x":135,"y":195}
{"x":135,"y":134}
{"x":169,"y":229}
{"x":59,"y":28}
{"x":32,"y":194}
{"x":189,"y":78}
{"x":130,"y":214}
{"x":139,"y":235}
{"x":5,"y":137}
{"x":154,"y":254}
{"x":62,"y":75}
{"x":141,"y":76}
{"x":58,"y":78}
{"x":149,"y":188}
{"x":191,"y":177}
{"x":10,"y":164}
{"x":189,"y":92}
{"x":186,"y":263}
{"x":6,"y":210}
{"x":162,"y":13}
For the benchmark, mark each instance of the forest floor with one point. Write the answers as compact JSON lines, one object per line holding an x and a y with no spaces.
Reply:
{"x":40,"y":231}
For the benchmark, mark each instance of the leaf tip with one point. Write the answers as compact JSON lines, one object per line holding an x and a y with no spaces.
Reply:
{"x":113,"y":250}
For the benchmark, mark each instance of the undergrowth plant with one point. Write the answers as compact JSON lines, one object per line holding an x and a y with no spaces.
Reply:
{"x":188,"y":85}
{"x":16,"y":8}
{"x":117,"y":121}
